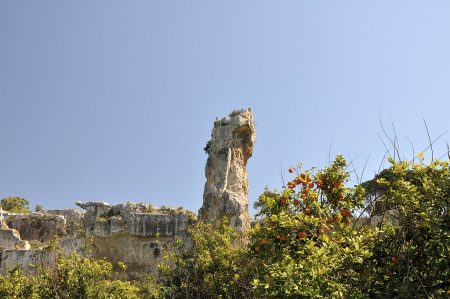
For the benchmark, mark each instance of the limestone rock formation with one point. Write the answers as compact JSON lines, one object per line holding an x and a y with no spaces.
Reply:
{"x":93,"y":210}
{"x":37,"y":226}
{"x":136,"y":234}
{"x":73,"y":219}
{"x":10,"y":240}
{"x":25,"y":260}
{"x":226,"y":187}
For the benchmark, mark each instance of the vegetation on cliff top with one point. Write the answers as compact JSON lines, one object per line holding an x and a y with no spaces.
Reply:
{"x":15,"y":205}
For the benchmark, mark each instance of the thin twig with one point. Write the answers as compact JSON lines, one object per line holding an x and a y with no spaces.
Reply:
{"x":282,"y":177}
{"x":442,"y":134}
{"x":412,"y":147}
{"x":382,"y":162}
{"x":423,"y":287}
{"x":354,"y":171}
{"x":385,"y":133}
{"x":439,"y":137}
{"x":370,"y":202}
{"x":351,"y":161}
{"x":329,"y":153}
{"x":396,"y":148}
{"x":448,"y":150}
{"x":429,"y":139}
{"x":364,"y":169}
{"x":385,"y":146}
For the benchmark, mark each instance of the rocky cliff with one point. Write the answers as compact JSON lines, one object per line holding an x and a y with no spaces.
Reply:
{"x":135,"y":234}
{"x":226,"y":187}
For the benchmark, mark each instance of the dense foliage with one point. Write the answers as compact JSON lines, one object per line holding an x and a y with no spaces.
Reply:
{"x":75,"y":277}
{"x":213,"y":266}
{"x":315,"y":238}
{"x":15,"y":205}
{"x":410,"y":256}
{"x":306,"y":245}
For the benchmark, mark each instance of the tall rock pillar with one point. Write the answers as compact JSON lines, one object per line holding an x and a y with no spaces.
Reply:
{"x":226,"y":187}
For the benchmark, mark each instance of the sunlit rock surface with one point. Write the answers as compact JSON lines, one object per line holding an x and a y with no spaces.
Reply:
{"x":135,"y":234}
{"x":226,"y":187}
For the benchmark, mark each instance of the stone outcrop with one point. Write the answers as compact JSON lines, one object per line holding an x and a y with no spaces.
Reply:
{"x":72,"y":217}
{"x":41,"y":227}
{"x":25,"y":259}
{"x":226,"y":187}
{"x":23,"y":237}
{"x":93,"y":209}
{"x":135,"y":234}
{"x":10,"y":240}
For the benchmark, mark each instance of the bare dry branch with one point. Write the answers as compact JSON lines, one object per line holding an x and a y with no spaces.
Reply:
{"x":385,"y":146}
{"x":412,"y":147}
{"x":329,"y":153}
{"x":429,"y":139}
{"x":396,"y":143}
{"x":364,"y":169}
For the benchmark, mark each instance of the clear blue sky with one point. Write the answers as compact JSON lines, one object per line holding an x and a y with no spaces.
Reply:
{"x":114,"y":100}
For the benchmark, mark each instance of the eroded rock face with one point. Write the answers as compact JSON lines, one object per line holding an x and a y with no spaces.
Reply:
{"x":138,"y":234}
{"x":93,"y":209}
{"x":10,"y":240}
{"x":135,"y":234}
{"x":73,"y":220}
{"x":226,"y":187}
{"x":25,"y":259}
{"x":37,"y":226}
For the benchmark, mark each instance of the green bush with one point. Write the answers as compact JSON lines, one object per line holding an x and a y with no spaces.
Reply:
{"x":115,"y":289}
{"x":235,"y":112}
{"x":39,"y":208}
{"x":211,"y":268}
{"x":74,"y":277}
{"x":410,"y":254}
{"x":15,"y":205}
{"x":150,"y":288}
{"x":17,"y":285}
{"x":306,"y":245}
{"x":314,"y":239}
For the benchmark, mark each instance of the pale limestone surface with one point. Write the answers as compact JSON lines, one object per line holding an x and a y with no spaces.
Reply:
{"x":41,"y":227}
{"x":135,"y":234}
{"x":10,"y":240}
{"x":226,"y":187}
{"x":38,"y":228}
{"x":25,"y":259}
{"x":139,"y":234}
{"x":73,"y":219}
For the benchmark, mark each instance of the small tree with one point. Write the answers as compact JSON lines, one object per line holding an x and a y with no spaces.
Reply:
{"x":15,"y":205}
{"x":411,"y":251}
{"x":213,"y":267}
{"x":39,"y":208}
{"x":305,"y":245}
{"x":74,"y":276}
